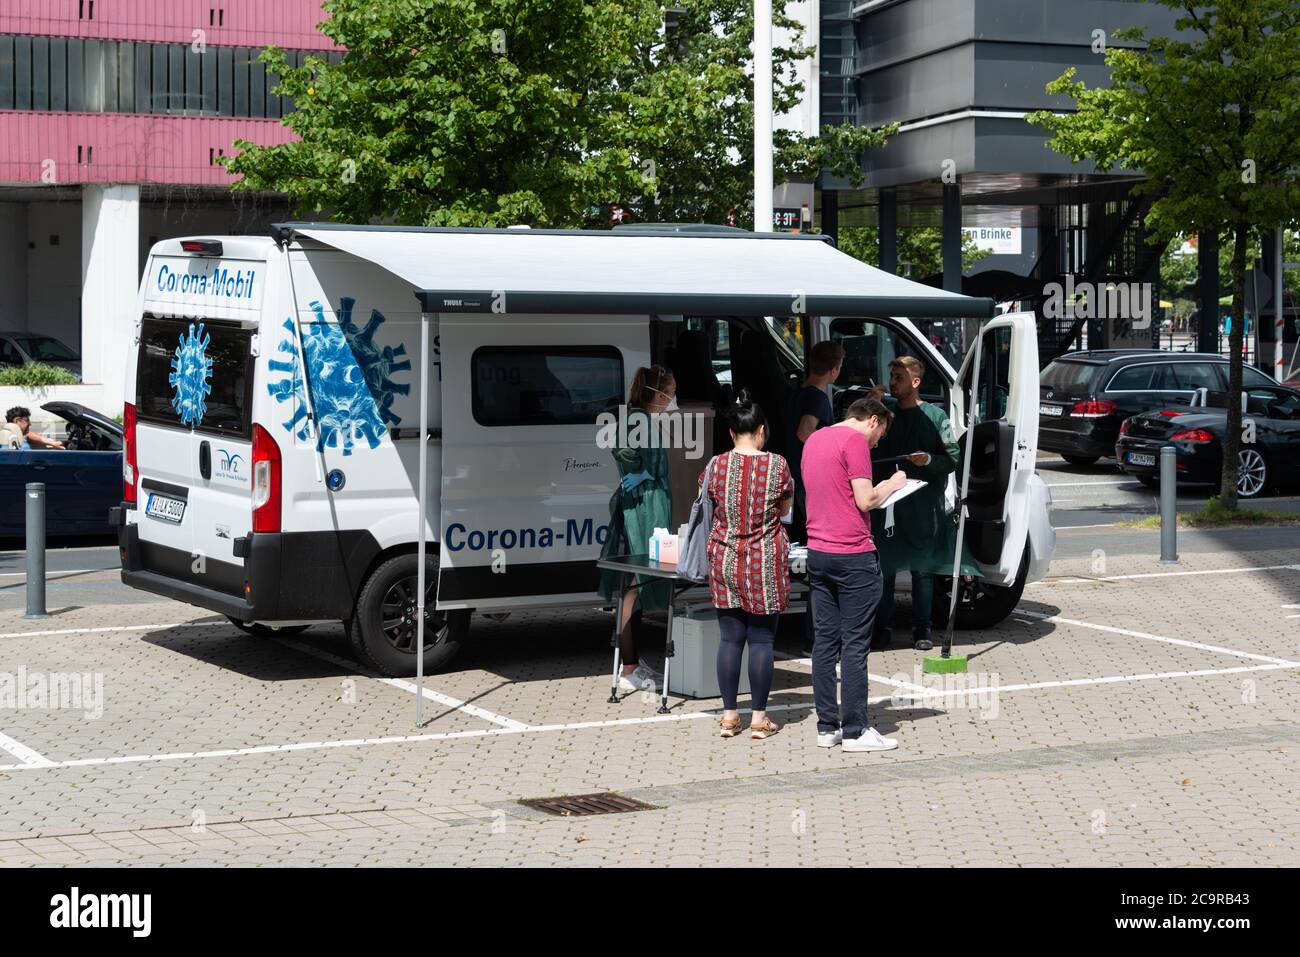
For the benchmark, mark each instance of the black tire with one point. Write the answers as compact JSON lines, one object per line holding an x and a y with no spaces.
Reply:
{"x":1081,"y":459}
{"x":1150,"y":481}
{"x":980,"y":605}
{"x":391,"y":650}
{"x":268,"y":631}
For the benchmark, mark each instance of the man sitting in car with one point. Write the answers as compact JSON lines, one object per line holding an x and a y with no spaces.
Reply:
{"x":22,"y":418}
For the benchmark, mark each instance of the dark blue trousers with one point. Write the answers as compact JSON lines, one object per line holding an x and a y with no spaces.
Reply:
{"x":846,"y":590}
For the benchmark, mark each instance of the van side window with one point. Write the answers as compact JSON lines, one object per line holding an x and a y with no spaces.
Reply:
{"x":994,"y":387}
{"x":545,"y":385}
{"x":227,"y":407}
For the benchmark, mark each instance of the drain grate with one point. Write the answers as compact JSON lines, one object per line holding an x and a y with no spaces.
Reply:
{"x":585,"y":805}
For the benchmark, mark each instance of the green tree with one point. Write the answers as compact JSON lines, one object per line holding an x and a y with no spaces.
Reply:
{"x":921,"y":247}
{"x":496,"y":112}
{"x":1210,"y":117}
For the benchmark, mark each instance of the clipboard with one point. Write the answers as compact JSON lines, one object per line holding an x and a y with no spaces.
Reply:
{"x":912,"y":485}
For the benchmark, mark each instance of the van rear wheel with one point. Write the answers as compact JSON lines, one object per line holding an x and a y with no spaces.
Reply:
{"x":383,"y":630}
{"x":979,"y":605}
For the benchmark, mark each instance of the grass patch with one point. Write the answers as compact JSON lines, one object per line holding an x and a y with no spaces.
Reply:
{"x":1216,"y":515}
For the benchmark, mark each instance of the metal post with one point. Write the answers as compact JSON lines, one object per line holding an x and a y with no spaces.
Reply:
{"x":964,"y":490}
{"x":422,"y":517}
{"x":1168,"y":506}
{"x":1279,"y":372}
{"x":36,"y":551}
{"x":763,"y":116}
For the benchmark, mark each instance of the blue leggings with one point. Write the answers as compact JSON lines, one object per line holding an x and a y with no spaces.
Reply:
{"x":739,"y":627}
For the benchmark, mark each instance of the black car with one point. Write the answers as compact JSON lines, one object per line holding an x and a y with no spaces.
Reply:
{"x":1084,"y":396}
{"x":1270,"y":449}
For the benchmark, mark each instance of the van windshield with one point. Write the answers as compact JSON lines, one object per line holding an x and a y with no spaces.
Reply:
{"x":192,"y":372}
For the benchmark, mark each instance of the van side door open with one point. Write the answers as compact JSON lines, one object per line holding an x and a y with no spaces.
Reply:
{"x":1005,"y":443}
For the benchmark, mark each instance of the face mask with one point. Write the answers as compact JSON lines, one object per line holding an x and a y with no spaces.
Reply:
{"x":672,"y":401}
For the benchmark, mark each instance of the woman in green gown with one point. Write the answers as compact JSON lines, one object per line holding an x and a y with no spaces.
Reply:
{"x":642,"y":502}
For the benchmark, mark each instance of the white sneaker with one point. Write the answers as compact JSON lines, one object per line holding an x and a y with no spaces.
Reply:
{"x":642,"y":679}
{"x":828,"y":739}
{"x":870,"y":741}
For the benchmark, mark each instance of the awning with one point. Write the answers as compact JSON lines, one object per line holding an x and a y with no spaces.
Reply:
{"x":635,"y":272}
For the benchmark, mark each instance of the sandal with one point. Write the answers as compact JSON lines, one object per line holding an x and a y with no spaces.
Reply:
{"x":765,"y":730}
{"x":730,"y":727}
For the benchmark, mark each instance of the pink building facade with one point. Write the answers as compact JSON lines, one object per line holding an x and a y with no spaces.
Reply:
{"x":113,"y":116}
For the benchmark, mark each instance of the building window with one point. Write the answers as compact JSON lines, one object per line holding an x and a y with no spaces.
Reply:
{"x":110,"y":76}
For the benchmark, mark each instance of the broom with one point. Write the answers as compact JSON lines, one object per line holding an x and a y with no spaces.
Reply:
{"x":944,"y":662}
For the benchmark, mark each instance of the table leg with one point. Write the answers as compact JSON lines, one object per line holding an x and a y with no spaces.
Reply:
{"x":618,"y":621}
{"x":669,"y":651}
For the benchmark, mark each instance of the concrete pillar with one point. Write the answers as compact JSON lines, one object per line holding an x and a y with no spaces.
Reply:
{"x":1207,"y":266}
{"x":13,"y":265}
{"x":830,"y":214}
{"x":110,"y":279}
{"x":888,"y":230}
{"x":951,"y":239}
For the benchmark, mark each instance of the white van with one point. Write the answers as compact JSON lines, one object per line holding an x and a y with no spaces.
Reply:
{"x":272,"y":411}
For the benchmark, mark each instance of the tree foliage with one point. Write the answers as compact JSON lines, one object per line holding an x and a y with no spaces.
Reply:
{"x":497,"y":112}
{"x":1210,"y":116}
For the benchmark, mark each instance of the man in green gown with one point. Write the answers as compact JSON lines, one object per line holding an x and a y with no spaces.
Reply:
{"x":921,"y":537}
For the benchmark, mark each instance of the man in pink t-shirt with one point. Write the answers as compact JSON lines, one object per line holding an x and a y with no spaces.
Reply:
{"x":844,"y":571}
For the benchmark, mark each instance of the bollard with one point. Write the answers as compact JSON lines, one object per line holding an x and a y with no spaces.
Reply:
{"x":36,"y":551}
{"x":1168,"y":506}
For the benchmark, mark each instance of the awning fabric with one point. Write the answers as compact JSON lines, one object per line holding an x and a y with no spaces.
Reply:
{"x":635,"y":272}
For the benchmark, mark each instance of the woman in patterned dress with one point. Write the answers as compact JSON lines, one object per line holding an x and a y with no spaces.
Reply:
{"x":749,"y":574}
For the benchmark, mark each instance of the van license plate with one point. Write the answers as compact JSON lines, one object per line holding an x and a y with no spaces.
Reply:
{"x":164,"y":508}
{"x":1054,"y":410}
{"x":1139,"y":458}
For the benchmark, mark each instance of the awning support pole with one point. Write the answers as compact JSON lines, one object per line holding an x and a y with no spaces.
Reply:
{"x":421,"y":518}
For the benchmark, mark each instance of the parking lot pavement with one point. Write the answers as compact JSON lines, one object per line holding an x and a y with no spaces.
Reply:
{"x":1127,"y":713}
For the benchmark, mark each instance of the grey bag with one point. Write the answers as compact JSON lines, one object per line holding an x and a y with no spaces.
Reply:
{"x":693,"y":554}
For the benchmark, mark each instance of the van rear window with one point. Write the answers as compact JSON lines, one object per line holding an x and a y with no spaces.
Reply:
{"x":1067,"y":378}
{"x":195,"y":373}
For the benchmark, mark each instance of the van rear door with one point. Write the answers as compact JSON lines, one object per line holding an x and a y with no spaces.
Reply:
{"x":1005,"y":444}
{"x":193,"y":436}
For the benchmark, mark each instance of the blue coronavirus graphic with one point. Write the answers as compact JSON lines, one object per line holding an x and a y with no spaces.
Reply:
{"x":191,"y":370}
{"x":352,"y":390}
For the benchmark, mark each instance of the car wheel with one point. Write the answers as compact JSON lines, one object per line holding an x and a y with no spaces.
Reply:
{"x":979,"y":605}
{"x":383,"y":631}
{"x":1252,"y":474}
{"x":268,"y":631}
{"x":1081,"y":459}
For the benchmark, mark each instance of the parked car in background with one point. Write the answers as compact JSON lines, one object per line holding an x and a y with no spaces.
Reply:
{"x":20,"y":348}
{"x":82,"y":481}
{"x":1084,"y":396}
{"x":1269,"y":457}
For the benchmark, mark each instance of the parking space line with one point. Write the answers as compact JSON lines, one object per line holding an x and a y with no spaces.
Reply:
{"x":893,"y":682}
{"x":1202,"y":646}
{"x":99,"y":631}
{"x":1083,"y":682}
{"x":454,"y":703}
{"x":1183,"y":574}
{"x":60,"y":571}
{"x":28,"y":757}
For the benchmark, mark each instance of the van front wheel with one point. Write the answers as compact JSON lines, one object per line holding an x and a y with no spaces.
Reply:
{"x":383,"y":628}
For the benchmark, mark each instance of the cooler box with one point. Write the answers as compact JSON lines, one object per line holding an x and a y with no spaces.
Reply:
{"x":694,"y":670}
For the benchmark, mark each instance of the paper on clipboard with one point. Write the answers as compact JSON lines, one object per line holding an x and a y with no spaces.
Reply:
{"x":911,"y":486}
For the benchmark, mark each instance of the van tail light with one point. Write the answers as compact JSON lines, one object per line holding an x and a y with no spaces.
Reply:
{"x":1191,"y":435}
{"x":266,"y":481}
{"x":129,"y":470}
{"x":1092,"y":408}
